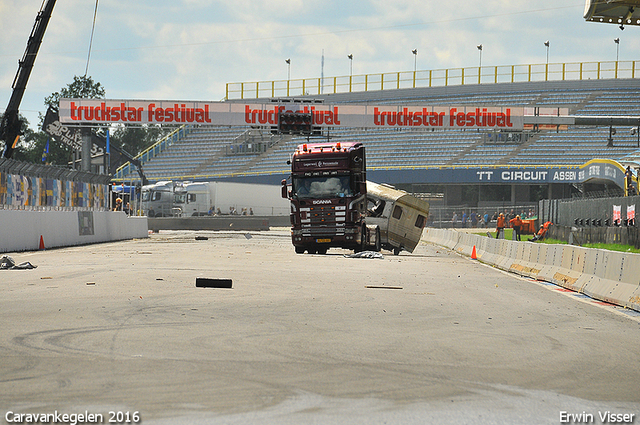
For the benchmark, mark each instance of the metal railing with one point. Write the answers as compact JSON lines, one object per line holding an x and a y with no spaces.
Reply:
{"x":434,"y":78}
{"x":127,"y":169}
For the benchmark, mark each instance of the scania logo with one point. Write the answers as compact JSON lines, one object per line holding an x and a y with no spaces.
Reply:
{"x":322,"y":201}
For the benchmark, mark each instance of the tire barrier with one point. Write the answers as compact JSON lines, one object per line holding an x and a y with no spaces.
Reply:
{"x":609,"y":276}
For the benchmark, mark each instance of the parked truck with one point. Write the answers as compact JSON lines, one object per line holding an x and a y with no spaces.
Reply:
{"x":329,"y":203}
{"x":176,"y":199}
{"x":162,"y":199}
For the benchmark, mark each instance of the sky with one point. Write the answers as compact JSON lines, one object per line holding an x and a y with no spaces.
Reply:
{"x":190,"y":49}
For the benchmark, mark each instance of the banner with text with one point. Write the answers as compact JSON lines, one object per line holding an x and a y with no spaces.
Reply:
{"x":94,"y":111}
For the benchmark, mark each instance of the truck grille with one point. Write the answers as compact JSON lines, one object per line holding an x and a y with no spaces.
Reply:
{"x":323,"y":214}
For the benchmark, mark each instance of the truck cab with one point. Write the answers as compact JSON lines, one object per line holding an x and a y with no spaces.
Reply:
{"x":328,"y":197}
{"x":163,"y":199}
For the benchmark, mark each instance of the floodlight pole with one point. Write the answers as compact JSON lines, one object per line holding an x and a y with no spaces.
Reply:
{"x":479,"y":46}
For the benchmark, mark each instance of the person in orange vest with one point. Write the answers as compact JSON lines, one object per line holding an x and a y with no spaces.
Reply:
{"x":542,"y":233}
{"x":500,"y":223}
{"x":516,"y":224}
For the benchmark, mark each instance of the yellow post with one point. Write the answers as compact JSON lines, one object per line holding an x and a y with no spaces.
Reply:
{"x":288,"y":81}
{"x":598,"y":71}
{"x":366,"y":82}
{"x":273,"y":89}
{"x":227,"y":95}
{"x":398,"y":81}
{"x":529,"y":72}
{"x":580,"y":71}
{"x":563,"y":69}
{"x":430,"y":75}
{"x":496,"y":75}
{"x":513,"y":73}
{"x":241,"y":90}
{"x":446,"y":77}
{"x":546,"y":72}
{"x":381,"y":81}
{"x":479,"y":74}
{"x":414,"y":79}
{"x":462,"y":76}
{"x":257,"y":89}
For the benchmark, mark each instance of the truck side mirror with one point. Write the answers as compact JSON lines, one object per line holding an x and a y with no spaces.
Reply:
{"x":284,"y":191}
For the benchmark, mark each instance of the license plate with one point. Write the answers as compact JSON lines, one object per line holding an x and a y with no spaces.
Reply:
{"x":323,"y":240}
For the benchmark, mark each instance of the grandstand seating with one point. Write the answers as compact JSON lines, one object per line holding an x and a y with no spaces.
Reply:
{"x":204,"y":152}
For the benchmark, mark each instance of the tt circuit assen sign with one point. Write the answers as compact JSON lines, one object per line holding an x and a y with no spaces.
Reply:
{"x":597,"y":169}
{"x":94,"y":111}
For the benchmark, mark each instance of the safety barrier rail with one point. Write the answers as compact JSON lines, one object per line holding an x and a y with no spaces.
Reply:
{"x":604,"y":275}
{"x":434,"y":78}
{"x":27,"y":186}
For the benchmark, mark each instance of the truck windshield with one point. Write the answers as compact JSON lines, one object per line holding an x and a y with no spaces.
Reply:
{"x":145,"y":195}
{"x":322,"y":187}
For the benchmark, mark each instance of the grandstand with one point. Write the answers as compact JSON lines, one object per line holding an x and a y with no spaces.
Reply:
{"x":211,"y":153}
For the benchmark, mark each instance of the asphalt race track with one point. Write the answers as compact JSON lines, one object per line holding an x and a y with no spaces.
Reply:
{"x":428,"y":337}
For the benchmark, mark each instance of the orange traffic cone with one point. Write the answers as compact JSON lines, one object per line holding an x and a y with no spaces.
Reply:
{"x":473,"y":253}
{"x":41,"y":242}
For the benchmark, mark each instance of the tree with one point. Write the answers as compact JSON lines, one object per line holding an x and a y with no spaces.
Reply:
{"x":32,"y":144}
{"x":81,"y":88}
{"x":136,"y":139}
{"x":28,"y":142}
{"x":132,"y":139}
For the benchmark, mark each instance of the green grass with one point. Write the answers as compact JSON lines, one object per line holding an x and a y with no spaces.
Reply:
{"x":608,"y":246}
{"x":613,"y":247}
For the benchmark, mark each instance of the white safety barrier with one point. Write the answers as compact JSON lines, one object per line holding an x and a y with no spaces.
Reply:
{"x":33,"y":230}
{"x":609,"y":276}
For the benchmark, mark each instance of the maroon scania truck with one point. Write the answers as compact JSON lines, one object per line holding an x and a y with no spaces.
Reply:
{"x":328,"y":194}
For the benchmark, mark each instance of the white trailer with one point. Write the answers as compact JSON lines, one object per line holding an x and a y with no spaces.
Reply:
{"x":239,"y":198}
{"x":167,"y":198}
{"x":398,"y":216}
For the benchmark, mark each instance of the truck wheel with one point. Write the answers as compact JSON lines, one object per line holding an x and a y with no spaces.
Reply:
{"x":322,"y":251}
{"x":396,"y":251}
{"x":378,"y":246}
{"x":312,"y":250}
{"x":299,"y":250}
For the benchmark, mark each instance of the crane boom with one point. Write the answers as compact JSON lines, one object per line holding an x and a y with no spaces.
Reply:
{"x":11,"y":123}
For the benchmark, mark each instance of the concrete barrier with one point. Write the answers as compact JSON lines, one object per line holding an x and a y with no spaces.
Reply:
{"x":609,"y":276}
{"x":225,"y":222}
{"x":21,"y":230}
